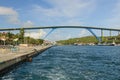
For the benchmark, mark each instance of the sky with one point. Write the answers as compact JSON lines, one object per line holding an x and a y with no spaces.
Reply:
{"x":34,"y":13}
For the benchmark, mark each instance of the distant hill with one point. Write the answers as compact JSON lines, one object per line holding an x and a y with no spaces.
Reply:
{"x":89,"y":39}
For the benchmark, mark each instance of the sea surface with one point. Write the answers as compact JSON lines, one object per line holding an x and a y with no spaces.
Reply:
{"x":71,"y":63}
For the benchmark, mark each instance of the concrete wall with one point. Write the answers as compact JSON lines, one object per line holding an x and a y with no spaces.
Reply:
{"x":5,"y":65}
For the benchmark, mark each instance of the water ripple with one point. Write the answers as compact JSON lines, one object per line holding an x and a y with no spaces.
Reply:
{"x":71,"y":63}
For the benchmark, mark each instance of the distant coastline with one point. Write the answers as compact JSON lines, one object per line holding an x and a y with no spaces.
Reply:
{"x":90,"y":40}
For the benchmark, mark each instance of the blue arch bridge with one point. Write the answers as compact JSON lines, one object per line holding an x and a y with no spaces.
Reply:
{"x":90,"y":29}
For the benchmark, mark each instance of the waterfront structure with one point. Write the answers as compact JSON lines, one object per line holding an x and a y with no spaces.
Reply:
{"x":9,"y":59}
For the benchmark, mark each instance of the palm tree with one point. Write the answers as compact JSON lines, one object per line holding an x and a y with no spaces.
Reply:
{"x":21,"y":36}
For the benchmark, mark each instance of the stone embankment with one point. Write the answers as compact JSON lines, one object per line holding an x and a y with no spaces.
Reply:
{"x":9,"y":58}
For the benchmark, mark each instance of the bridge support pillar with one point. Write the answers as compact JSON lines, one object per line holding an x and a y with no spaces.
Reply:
{"x":49,"y":32}
{"x":110,"y":33}
{"x":102,"y":37}
{"x":98,"y":38}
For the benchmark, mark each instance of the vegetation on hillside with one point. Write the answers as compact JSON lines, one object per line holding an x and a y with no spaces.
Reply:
{"x":89,"y":39}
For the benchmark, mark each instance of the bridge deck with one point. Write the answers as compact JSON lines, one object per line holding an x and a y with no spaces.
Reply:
{"x":49,"y":27}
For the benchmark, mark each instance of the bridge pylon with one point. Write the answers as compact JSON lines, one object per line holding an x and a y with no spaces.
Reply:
{"x":99,"y":39}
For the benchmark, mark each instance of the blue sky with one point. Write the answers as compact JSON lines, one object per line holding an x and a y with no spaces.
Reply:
{"x":30,"y":13}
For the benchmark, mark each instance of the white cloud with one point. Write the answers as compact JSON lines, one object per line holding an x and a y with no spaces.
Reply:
{"x":83,"y":32}
{"x":28,"y":24}
{"x":66,"y":8}
{"x":73,"y":23}
{"x":36,"y":35}
{"x":64,"y":12}
{"x":58,"y":34}
{"x":69,"y":36}
{"x":7,"y":11}
{"x":63,"y":34}
{"x":114,"y":19}
{"x":10,"y":14}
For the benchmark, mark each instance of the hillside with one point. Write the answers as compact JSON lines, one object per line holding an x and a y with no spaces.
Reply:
{"x":89,"y":39}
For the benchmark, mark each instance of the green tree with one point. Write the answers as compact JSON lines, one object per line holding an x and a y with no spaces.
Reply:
{"x":9,"y":36}
{"x":21,"y":36}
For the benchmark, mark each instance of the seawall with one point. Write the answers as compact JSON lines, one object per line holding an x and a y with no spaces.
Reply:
{"x":9,"y":60}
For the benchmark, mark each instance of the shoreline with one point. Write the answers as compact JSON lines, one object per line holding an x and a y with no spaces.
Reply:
{"x":11,"y":59}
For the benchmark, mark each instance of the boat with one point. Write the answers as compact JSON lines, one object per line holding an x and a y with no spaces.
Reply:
{"x":113,"y":44}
